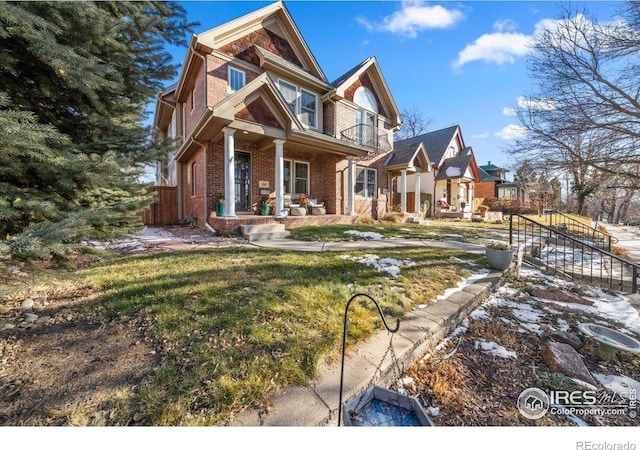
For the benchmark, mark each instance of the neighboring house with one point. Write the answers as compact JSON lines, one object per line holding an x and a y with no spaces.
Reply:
{"x":491,"y":177}
{"x":255,"y":116}
{"x":445,"y":169}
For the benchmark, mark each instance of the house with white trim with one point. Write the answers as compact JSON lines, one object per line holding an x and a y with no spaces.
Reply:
{"x":256,"y":118}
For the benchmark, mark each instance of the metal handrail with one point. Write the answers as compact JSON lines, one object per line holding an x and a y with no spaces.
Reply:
{"x":574,"y":227}
{"x":367,"y":136}
{"x":597,"y":266}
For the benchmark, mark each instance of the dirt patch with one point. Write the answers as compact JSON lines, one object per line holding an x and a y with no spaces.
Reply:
{"x":70,"y":369}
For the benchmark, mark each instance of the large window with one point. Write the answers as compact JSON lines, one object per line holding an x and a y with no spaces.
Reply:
{"x":302,"y":103}
{"x":296,"y":177}
{"x":366,"y":182}
{"x":236,"y":79}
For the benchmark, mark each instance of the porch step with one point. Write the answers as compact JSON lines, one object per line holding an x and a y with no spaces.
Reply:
{"x":264,"y":232}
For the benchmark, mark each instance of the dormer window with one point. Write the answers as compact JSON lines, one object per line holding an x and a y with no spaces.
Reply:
{"x":236,"y":79}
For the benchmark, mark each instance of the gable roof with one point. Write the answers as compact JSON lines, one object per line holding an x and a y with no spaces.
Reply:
{"x":404,"y":158}
{"x":371,"y":67}
{"x":435,"y":142}
{"x":458,"y":166}
{"x":276,"y":18}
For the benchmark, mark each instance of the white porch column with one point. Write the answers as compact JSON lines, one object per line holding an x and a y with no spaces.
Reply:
{"x":403,"y":191}
{"x":229,"y":173}
{"x":417,"y":200}
{"x":351,"y":207}
{"x":279,"y":176}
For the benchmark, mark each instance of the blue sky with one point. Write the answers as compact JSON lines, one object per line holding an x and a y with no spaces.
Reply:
{"x":457,"y":62}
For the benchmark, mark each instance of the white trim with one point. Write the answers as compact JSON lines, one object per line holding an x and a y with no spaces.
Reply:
{"x":298,"y":101}
{"x":230,"y":90}
{"x":366,"y":182}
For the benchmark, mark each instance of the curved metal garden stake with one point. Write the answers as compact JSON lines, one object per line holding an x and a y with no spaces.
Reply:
{"x":344,"y":340}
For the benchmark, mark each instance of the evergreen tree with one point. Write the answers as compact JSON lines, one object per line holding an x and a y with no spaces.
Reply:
{"x":77,"y":77}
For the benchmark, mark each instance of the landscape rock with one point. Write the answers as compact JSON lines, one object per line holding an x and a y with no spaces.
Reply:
{"x":43,"y":319}
{"x":567,"y":338}
{"x":6,"y":326}
{"x":559,"y":295}
{"x":563,"y":358}
{"x":29,"y":317}
{"x":27,"y":304}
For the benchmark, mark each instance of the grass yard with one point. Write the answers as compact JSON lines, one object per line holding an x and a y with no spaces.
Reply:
{"x":475,"y":233}
{"x":231,"y":325}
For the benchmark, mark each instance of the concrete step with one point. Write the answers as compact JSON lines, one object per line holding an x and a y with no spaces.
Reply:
{"x":264,"y":232}
{"x":261,"y":228}
{"x":258,"y":236}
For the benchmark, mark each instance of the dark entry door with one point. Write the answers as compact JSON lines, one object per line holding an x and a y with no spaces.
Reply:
{"x":243,"y":181}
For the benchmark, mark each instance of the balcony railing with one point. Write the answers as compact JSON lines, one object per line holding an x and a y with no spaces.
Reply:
{"x":367,"y":136}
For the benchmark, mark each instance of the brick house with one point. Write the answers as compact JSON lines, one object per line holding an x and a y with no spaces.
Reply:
{"x":440,"y":166}
{"x":256,"y":117}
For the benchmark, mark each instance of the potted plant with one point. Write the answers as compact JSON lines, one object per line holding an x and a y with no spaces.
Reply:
{"x":499,"y":255}
{"x":220,"y":205}
{"x":265,"y":208}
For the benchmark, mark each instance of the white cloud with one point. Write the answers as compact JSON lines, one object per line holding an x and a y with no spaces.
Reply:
{"x":504,"y":25}
{"x":497,"y":47}
{"x":480,"y":135}
{"x":543,"y":105}
{"x":413,"y":17}
{"x":507,"y":111}
{"x":511,"y":132}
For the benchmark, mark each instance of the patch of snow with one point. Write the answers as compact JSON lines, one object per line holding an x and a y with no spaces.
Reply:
{"x":563,"y":324}
{"x":433,"y":411}
{"x":620,"y":384}
{"x":403,"y":229}
{"x":453,"y":172}
{"x":365,"y":234}
{"x":453,"y":235}
{"x":584,"y":384}
{"x":388,"y":265}
{"x":494,"y":349}
{"x":407,"y":381}
{"x":462,"y":261}
{"x":479,"y":314}
{"x":462,"y":284}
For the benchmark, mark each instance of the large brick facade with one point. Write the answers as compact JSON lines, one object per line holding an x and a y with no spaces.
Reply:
{"x":260,"y":116}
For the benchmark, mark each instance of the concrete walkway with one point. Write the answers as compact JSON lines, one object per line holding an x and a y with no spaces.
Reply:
{"x":628,"y":239}
{"x":420,"y":330}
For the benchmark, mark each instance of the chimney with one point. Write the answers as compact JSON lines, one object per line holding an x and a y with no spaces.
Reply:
{"x":489,"y":163}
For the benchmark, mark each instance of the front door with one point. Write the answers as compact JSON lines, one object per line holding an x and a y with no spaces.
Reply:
{"x":243,"y":181}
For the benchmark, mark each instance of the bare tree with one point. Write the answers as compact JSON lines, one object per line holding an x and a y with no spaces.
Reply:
{"x":584,"y":120}
{"x":414,"y":123}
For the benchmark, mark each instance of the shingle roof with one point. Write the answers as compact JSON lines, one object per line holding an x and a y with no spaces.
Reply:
{"x":492,"y":168}
{"x":485,"y":176}
{"x":402,"y":155}
{"x":435,"y":143}
{"x":454,"y":167}
{"x":344,"y":77}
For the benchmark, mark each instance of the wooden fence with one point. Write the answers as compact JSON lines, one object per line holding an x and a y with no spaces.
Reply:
{"x":164,"y":211}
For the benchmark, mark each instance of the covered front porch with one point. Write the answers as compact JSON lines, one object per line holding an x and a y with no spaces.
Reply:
{"x":231,"y":224}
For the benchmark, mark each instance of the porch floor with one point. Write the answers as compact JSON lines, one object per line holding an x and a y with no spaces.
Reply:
{"x":228,"y":224}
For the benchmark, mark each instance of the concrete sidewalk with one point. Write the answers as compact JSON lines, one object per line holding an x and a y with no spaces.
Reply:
{"x":420,"y":330}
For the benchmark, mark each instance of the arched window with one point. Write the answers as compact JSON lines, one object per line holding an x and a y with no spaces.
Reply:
{"x":365,"y":99}
{"x":366,"y":117}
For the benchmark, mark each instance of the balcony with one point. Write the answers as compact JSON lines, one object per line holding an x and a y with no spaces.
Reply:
{"x":367,"y":136}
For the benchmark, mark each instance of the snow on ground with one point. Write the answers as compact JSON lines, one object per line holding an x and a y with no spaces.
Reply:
{"x":462,"y":284}
{"x":365,"y":234}
{"x":621,"y":385}
{"x":388,"y":265}
{"x":494,"y":349}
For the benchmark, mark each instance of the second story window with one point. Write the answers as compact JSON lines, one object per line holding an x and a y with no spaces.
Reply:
{"x":302,"y":103}
{"x":236,"y":79}
{"x":308,"y":108}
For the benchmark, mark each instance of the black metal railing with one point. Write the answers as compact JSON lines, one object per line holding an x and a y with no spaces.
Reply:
{"x":558,"y":253}
{"x":579,"y":230}
{"x":367,"y":136}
